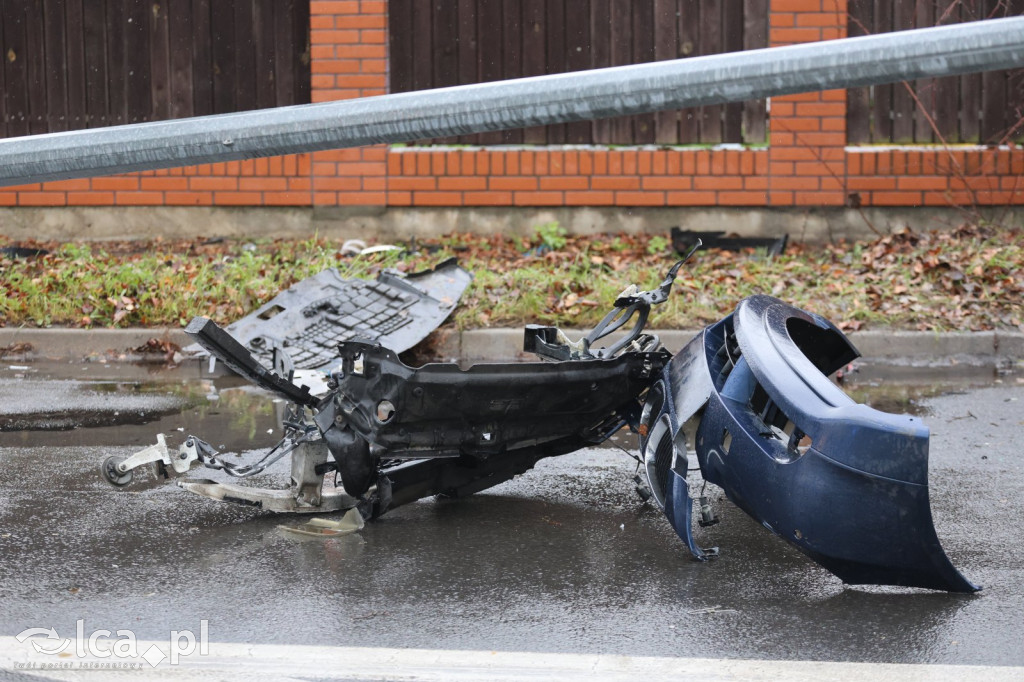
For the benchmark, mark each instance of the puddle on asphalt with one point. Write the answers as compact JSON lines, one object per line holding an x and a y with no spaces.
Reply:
{"x":121,"y":404}
{"x":905,"y":390}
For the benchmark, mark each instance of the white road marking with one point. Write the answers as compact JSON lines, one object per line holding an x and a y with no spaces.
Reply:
{"x":253,"y":662}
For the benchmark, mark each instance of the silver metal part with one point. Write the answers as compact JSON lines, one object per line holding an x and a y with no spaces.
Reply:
{"x":307,"y":485}
{"x":332,"y":499}
{"x":305,"y":494}
{"x":502,"y":105}
{"x":181,"y":461}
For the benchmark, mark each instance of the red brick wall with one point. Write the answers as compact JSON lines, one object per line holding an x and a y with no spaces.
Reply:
{"x":806,"y":163}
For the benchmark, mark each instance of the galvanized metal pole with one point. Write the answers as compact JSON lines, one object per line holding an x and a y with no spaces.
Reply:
{"x":583,"y":95}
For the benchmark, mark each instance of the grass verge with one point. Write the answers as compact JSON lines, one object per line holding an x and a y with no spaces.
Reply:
{"x":971,"y":278}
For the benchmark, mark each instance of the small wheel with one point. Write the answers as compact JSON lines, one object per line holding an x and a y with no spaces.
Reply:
{"x":113,"y":476}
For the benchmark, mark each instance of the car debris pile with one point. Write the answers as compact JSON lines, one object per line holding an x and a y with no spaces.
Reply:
{"x":749,"y":399}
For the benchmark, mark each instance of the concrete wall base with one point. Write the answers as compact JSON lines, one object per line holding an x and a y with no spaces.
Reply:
{"x":814,"y":225}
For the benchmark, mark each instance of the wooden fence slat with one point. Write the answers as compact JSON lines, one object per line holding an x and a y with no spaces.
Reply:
{"x":400,"y":38}
{"x":264,"y":49}
{"x":1015,"y":87}
{"x":202,"y":58}
{"x":465,"y":46}
{"x":970,"y":88}
{"x":993,"y":110}
{"x":244,"y":82}
{"x":74,"y":35}
{"x":666,"y":46}
{"x":116,"y":34}
{"x":926,"y":103}
{"x":643,"y":52}
{"x":97,"y":84}
{"x":555,"y":48}
{"x":601,"y":56}
{"x":621,"y":53}
{"x":35,"y":69}
{"x":3,"y":73}
{"x":301,"y":88}
{"x":732,"y":41}
{"x":947,"y":90}
{"x":534,"y":52}
{"x":578,"y":57}
{"x":160,"y":61}
{"x":423,"y":45}
{"x":1015,"y":106}
{"x":179,"y":44}
{"x":1013,"y":99}
{"x":512,"y":47}
{"x":56,"y":61}
{"x":445,"y":58}
{"x":755,"y":36}
{"x":445,"y":37}
{"x":904,"y":105}
{"x":222,"y":18}
{"x":534,"y":55}
{"x":286,"y":57}
{"x":490,"y":24}
{"x":468,"y":43}
{"x":993,"y":84}
{"x":1015,"y":92}
{"x":139,"y":79}
{"x":858,"y":100}
{"x":711,"y":43}
{"x":15,"y":67}
{"x":689,"y":46}
{"x":3,"y":78}
{"x":881,"y":120}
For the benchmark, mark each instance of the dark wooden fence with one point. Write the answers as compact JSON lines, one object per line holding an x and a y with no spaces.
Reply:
{"x":983,"y":108}
{"x":70,"y":64}
{"x":438,"y":43}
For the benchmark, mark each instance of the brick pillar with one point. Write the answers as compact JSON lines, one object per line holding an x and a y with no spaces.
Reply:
{"x":348,"y":52}
{"x":806,"y":156}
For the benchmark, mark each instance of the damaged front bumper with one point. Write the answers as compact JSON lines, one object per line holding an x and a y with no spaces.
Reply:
{"x":842,"y":482}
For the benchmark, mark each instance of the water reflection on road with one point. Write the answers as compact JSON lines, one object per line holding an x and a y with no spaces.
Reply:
{"x":565,"y":558}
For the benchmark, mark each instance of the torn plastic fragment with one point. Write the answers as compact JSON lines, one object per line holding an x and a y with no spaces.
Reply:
{"x":308,"y":320}
{"x":351,"y":522}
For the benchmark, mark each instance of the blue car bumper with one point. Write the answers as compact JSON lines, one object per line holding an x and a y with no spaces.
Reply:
{"x":842,"y":482}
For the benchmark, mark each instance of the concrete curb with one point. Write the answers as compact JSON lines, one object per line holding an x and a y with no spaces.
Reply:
{"x":79,"y":344}
{"x":887,"y":347}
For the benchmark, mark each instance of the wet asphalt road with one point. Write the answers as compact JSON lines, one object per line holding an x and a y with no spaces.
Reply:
{"x":563,"y":559}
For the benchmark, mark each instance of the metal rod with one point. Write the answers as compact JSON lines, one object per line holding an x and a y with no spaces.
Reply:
{"x":541,"y":100}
